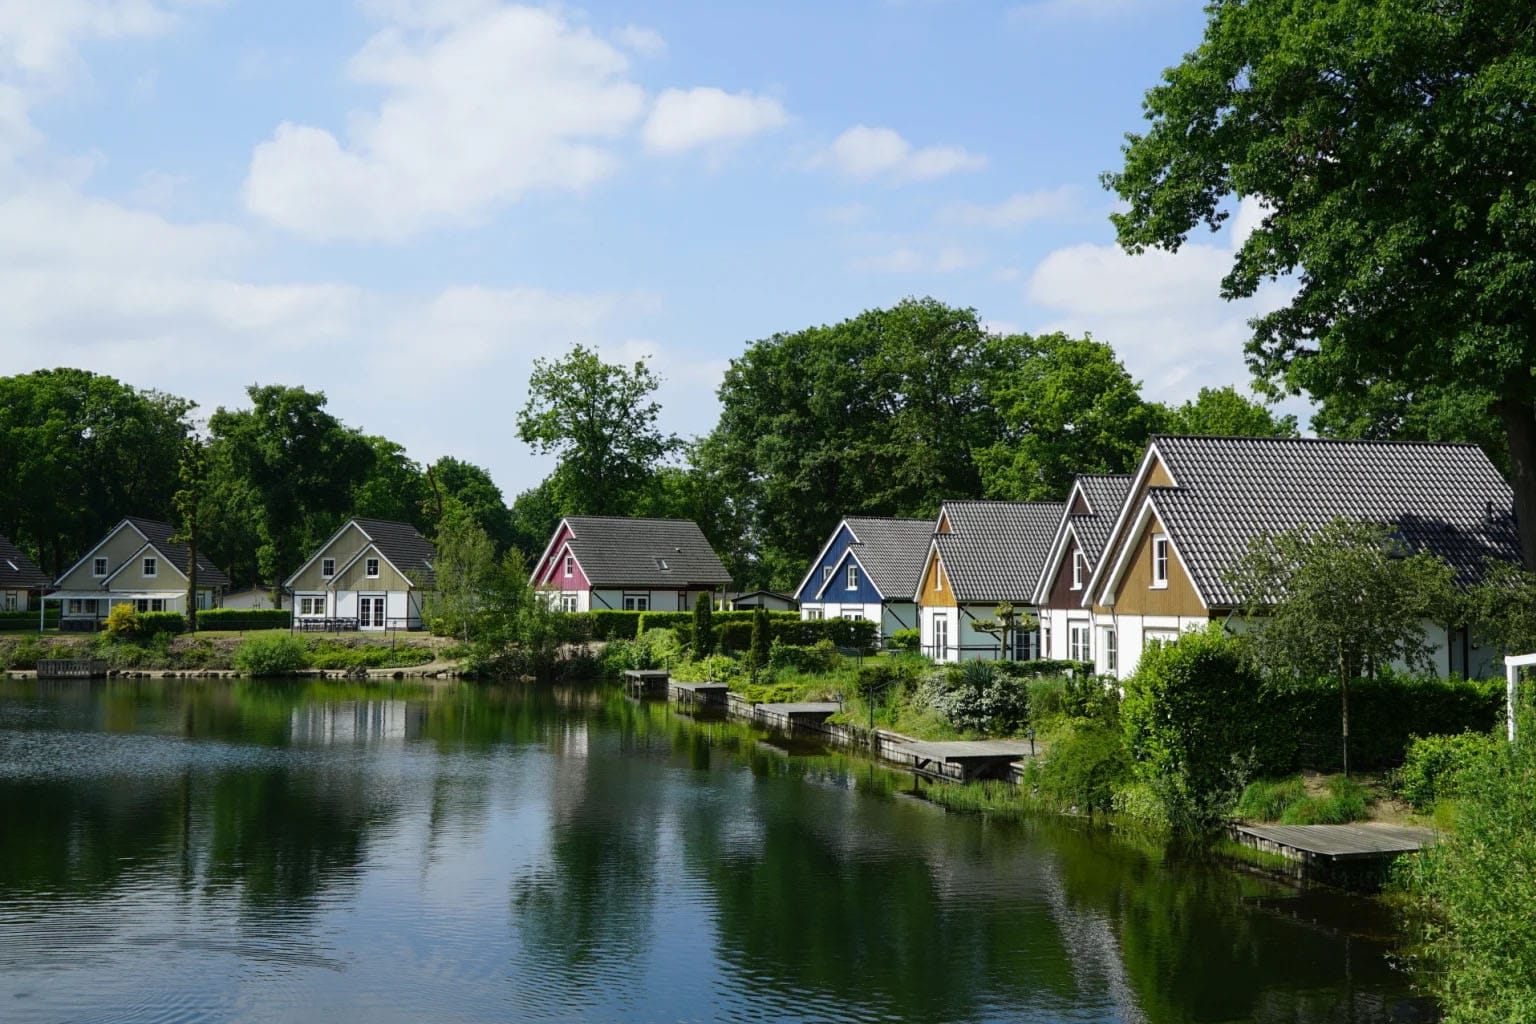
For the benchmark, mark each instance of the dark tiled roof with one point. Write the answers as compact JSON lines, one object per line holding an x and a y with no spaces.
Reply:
{"x":619,"y":552}
{"x":1446,"y":499}
{"x":892,"y":551}
{"x":406,"y":549}
{"x":159,"y":534}
{"x":1106,"y":493}
{"x":17,"y":571}
{"x":996,"y":549}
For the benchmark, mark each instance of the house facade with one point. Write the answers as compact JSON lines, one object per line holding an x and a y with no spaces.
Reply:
{"x":372,"y":574}
{"x":137,"y":564}
{"x":1067,"y":630}
{"x":595,"y":563}
{"x":1196,"y":504}
{"x":868,"y":569}
{"x":983,"y":554}
{"x":21,"y":582}
{"x":772,"y":600}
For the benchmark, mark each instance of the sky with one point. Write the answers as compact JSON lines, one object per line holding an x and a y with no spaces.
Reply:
{"x":403,"y":203}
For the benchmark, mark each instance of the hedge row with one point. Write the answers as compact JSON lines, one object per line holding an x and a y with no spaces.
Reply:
{"x":684,"y":620}
{"x":20,"y":622}
{"x":245,"y":618}
{"x":736,"y":636}
{"x":1384,"y":715}
{"x":161,"y":622}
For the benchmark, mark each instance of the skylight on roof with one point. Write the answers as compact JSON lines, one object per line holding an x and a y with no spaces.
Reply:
{"x":13,"y":565}
{"x":661,"y":563}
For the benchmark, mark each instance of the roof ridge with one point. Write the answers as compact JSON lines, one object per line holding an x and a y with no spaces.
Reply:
{"x":1316,"y":440}
{"x":632,"y":519}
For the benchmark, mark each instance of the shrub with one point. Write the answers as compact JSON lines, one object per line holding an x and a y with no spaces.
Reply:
{"x":122,"y":622}
{"x":271,"y":654}
{"x":877,"y":680}
{"x":976,"y":697}
{"x":162,"y":622}
{"x":1346,"y":801}
{"x":1139,"y":800}
{"x":20,"y":622}
{"x":906,"y":640}
{"x":818,"y":659}
{"x":1185,"y":728}
{"x":1434,"y":764}
{"x":1385,"y":714}
{"x":1041,"y":667}
{"x":703,"y":626}
{"x":1267,"y":799}
{"x":1087,"y":763}
{"x":330,"y":655}
{"x":245,"y":618}
{"x":659,"y":647}
{"x":1090,"y":696}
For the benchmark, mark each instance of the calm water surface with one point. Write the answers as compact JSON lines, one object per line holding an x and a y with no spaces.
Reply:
{"x":250,"y":852}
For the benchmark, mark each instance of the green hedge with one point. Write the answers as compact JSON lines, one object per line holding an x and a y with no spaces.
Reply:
{"x":21,"y":622}
{"x":735,"y":636}
{"x":1045,"y":667}
{"x":681,"y":621}
{"x":245,"y":618}
{"x":161,"y":622}
{"x":1385,"y":714}
{"x":604,"y":624}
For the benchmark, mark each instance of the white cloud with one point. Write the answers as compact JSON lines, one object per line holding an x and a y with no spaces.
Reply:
{"x":863,"y":153}
{"x":847,"y":213}
{"x":1018,"y":210}
{"x":482,"y":104}
{"x":906,"y":260}
{"x":1161,"y":311}
{"x":706,"y":116}
{"x":641,"y":41}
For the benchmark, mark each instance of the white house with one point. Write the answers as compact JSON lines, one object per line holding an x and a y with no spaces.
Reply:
{"x":593,"y":563}
{"x":868,"y":569}
{"x":372,"y":574}
{"x":137,"y":564}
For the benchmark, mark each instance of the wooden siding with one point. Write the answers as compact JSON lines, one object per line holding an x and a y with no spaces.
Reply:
{"x":346,"y":544}
{"x":167,"y":577}
{"x":1079,"y":505}
{"x":1061,"y":594}
{"x":1136,"y":596}
{"x":119,"y":547}
{"x":356,"y":577}
{"x":931,"y":594}
{"x":835,"y":550}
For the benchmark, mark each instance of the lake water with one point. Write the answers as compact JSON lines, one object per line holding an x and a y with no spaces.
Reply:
{"x":188,"y":851}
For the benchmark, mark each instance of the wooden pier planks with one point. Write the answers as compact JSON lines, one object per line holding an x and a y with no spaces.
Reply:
{"x":1365,"y":841}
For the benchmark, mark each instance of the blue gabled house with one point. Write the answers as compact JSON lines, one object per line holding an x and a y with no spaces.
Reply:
{"x":869,"y":569}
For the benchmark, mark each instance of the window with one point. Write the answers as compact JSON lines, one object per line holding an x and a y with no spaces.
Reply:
{"x":938,"y":577}
{"x":10,"y":600}
{"x":637,"y":602}
{"x":149,"y":604}
{"x":1111,"y":650}
{"x":1045,"y":639}
{"x":826,"y":573}
{"x":1024,"y":648}
{"x":661,"y":563}
{"x":311,"y":606}
{"x":372,"y":568}
{"x":852,"y":616}
{"x":327,"y":567}
{"x":1161,"y":636}
{"x":151,"y":567}
{"x":813,"y":615}
{"x":1079,"y":645}
{"x":570,"y":566}
{"x":1159,"y":560}
{"x":1079,"y":569}
{"x":940,"y":639}
{"x":99,"y":567}
{"x":567,"y":602}
{"x":853,"y":577}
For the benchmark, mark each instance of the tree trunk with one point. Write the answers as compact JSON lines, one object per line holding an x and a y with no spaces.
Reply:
{"x":1519,"y":416}
{"x":192,"y":579}
{"x":1344,"y":708}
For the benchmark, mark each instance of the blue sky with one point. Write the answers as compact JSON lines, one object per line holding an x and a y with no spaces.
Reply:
{"x":404,"y":202}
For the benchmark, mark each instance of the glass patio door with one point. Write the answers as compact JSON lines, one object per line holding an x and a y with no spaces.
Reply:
{"x":370,"y":612}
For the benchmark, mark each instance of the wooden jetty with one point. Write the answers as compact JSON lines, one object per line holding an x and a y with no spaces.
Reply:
{"x":963,"y":760}
{"x":699,"y":694}
{"x":71,"y":668}
{"x":1355,"y":856}
{"x":806,"y":714}
{"x":641,"y":682}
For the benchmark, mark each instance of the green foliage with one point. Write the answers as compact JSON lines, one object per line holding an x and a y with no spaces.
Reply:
{"x":271,"y":654}
{"x":1502,"y":608}
{"x":1385,"y":410}
{"x":599,"y":420}
{"x":454,"y":487}
{"x":1087,"y":764}
{"x":906,"y":640}
{"x":818,"y":659}
{"x":1385,"y":713}
{"x":1433,"y":766}
{"x":1222,"y":412}
{"x":245,"y":618}
{"x":1395,"y":191}
{"x":1478,"y":886}
{"x":332,"y":655}
{"x":762,"y":640}
{"x":161,"y":622}
{"x":882,"y":679}
{"x":1345,"y":801}
{"x":24,"y":652}
{"x":975,"y":697}
{"x":466,"y":558}
{"x":1267,"y":799}
{"x":122,"y":621}
{"x":1184,"y":727}
{"x":19,"y":622}
{"x":394,"y":488}
{"x":703,"y":626}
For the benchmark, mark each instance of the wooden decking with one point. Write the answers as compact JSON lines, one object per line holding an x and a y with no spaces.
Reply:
{"x":963,"y":760}
{"x":639,"y":682}
{"x":795,"y":715}
{"x":71,"y":668}
{"x":1336,"y":843}
{"x":699,"y":694}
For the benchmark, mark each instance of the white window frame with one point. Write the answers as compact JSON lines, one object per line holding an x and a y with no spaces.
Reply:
{"x":940,"y":638}
{"x":1158,"y":636}
{"x":1079,"y":563}
{"x":10,"y":600}
{"x":371,"y":568}
{"x":938,"y":576}
{"x":826,"y":572}
{"x":151,"y":567}
{"x":1045,"y":638}
{"x":1024,"y":644}
{"x":98,"y":567}
{"x":567,"y":602}
{"x":1159,"y":561}
{"x":1079,"y":641}
{"x":853,"y":577}
{"x":637,"y":602}
{"x":327,"y":567}
{"x":311,"y":606}
{"x":570,"y":566}
{"x":853,"y":617}
{"x":1111,"y":642}
{"x":814,"y":614}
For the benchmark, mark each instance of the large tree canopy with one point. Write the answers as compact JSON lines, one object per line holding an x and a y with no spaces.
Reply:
{"x":1392,"y":147}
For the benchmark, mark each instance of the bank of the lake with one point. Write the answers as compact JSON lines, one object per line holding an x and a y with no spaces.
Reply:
{"x":217,"y":850}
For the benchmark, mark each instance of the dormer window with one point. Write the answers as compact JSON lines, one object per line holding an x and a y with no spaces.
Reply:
{"x":327,"y":567}
{"x":151,"y":567}
{"x":1159,"y":560}
{"x":661,"y":563}
{"x":99,"y":567}
{"x":853,"y":577}
{"x":371,"y":567}
{"x":570,"y":566}
{"x":1079,"y":568}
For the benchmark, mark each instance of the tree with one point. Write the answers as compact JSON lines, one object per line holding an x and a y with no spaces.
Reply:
{"x":1391,"y":152}
{"x":1501,"y":608}
{"x":600,"y":421}
{"x":78,"y":451}
{"x":191,"y":501}
{"x":394,"y":488}
{"x":452,"y":483}
{"x":466,"y":558}
{"x":762,"y":639}
{"x":1345,"y":599}
{"x":1222,"y":412}
{"x":703,"y":626}
{"x":1069,"y":407}
{"x":1390,"y":411}
{"x":533,"y":517}
{"x":1006,"y":623}
{"x":299,"y":463}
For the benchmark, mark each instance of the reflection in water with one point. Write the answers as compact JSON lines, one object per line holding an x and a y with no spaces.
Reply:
{"x":209,"y":851}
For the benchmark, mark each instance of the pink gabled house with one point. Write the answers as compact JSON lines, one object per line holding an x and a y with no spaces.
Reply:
{"x":593,"y":563}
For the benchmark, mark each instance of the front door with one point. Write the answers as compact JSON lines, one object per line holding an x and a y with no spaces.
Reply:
{"x":370,"y":612}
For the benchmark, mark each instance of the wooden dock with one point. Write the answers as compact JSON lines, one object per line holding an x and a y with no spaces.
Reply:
{"x":642,"y":682}
{"x":71,"y":668}
{"x":699,"y":694}
{"x":1367,"y":841}
{"x":795,"y":715}
{"x":963,"y":760}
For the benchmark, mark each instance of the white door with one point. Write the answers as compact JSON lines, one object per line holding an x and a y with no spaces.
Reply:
{"x":370,"y":612}
{"x":940,"y":638}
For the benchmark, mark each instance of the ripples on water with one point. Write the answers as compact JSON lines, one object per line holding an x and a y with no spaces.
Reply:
{"x":203,"y":852}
